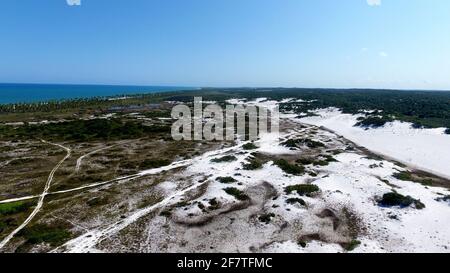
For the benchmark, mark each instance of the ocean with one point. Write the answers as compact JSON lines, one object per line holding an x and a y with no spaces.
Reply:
{"x":26,"y":93}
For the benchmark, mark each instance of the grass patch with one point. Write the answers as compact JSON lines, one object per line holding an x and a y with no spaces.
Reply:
{"x":226,"y":180}
{"x":228,"y":158}
{"x":238,"y":194}
{"x":303,"y":189}
{"x":154,"y":163}
{"x":393,"y":199}
{"x":42,"y":233}
{"x":407,"y":176}
{"x":15,"y":207}
{"x":289,"y":168}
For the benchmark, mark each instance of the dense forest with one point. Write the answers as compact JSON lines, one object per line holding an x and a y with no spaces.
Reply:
{"x":425,"y":109}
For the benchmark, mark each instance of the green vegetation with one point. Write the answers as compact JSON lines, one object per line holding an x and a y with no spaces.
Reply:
{"x":305,"y":161}
{"x":373,"y":121}
{"x":352,"y":245}
{"x":407,"y":176}
{"x":154,"y":163}
{"x":302,"y":243}
{"x":165,"y":213}
{"x":302,"y":189}
{"x":395,"y":199}
{"x":238,"y":194}
{"x":289,"y":168}
{"x":253,"y":164}
{"x":43,"y":233}
{"x":292,"y":201}
{"x":445,"y":198}
{"x":83,"y":130}
{"x":227,"y":158}
{"x":266,"y":218}
{"x":226,"y":180}
{"x":249,"y":146}
{"x":16,"y":207}
{"x":295,"y":143}
{"x":213,"y":204}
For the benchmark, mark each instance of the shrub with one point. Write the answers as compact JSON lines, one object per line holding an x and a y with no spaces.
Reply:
{"x":392,"y":199}
{"x":238,"y":194}
{"x":213,"y":204}
{"x":266,"y":218}
{"x":305,"y":161}
{"x":289,"y":168}
{"x":443,"y":199}
{"x":228,"y":158}
{"x":249,"y":146}
{"x":253,"y":164}
{"x":292,"y":201}
{"x":373,"y":122}
{"x":226,"y":180}
{"x":293,"y":143}
{"x":351,"y":245}
{"x":303,"y":189}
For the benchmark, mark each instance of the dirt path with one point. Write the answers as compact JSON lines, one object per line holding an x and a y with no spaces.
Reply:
{"x":41,"y":197}
{"x":80,"y":159}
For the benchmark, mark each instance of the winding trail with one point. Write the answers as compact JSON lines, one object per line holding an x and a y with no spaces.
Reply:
{"x":80,"y":159}
{"x":87,"y":242}
{"x":41,"y":197}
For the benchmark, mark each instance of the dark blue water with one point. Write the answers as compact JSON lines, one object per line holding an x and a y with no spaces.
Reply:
{"x":17,"y":93}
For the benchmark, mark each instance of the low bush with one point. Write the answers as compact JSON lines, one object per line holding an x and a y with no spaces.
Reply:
{"x":238,"y":194}
{"x":292,"y":201}
{"x":228,"y":158}
{"x":350,"y":246}
{"x":393,"y":199}
{"x":249,"y":146}
{"x":266,"y":218}
{"x":253,"y":164}
{"x":289,"y":168}
{"x":226,"y":180}
{"x":373,"y":122}
{"x":302,"y":189}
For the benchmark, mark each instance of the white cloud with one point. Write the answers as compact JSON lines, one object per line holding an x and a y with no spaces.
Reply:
{"x":73,"y":2}
{"x":374,"y":2}
{"x":383,"y":54}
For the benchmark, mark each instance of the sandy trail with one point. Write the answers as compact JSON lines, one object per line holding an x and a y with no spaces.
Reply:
{"x":80,"y":159}
{"x":41,"y":197}
{"x":89,"y":240}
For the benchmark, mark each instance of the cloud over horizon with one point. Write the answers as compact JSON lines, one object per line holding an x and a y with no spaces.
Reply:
{"x":374,"y":2}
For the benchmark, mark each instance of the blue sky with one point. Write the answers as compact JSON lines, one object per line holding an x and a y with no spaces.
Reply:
{"x":302,"y":43}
